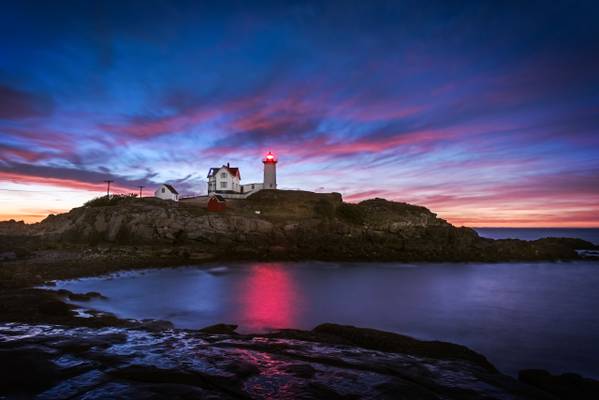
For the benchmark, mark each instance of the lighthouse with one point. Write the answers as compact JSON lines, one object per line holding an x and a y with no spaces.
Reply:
{"x":270,"y":171}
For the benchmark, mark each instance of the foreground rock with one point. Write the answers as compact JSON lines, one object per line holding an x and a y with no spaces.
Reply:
{"x":564,"y":386}
{"x":51,"y":362}
{"x":269,"y":225}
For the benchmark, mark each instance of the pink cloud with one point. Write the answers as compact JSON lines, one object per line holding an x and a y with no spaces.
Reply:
{"x":8,"y":152}
{"x":60,"y":182}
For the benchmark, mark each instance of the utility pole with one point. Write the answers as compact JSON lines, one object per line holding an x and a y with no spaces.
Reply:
{"x":140,"y":190}
{"x":108,"y":182}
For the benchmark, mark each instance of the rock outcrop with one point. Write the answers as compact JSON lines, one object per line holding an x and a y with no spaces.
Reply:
{"x":285,"y":225}
{"x":51,"y":361}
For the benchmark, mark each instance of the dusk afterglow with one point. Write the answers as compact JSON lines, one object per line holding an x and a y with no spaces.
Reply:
{"x":486,"y":113}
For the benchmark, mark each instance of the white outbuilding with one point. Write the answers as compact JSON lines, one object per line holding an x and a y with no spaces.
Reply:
{"x":166,"y":192}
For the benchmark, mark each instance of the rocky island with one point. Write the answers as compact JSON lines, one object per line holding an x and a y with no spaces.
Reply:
{"x":126,"y":232}
{"x":101,"y":356}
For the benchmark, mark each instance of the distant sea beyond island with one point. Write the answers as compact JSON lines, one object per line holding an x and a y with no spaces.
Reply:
{"x":589,"y":234}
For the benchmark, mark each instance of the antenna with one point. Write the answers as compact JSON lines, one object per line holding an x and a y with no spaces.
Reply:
{"x":141,"y":187}
{"x":108,"y":182}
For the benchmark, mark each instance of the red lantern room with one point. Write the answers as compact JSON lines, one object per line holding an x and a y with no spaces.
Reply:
{"x":269,"y":159}
{"x":270,"y":171}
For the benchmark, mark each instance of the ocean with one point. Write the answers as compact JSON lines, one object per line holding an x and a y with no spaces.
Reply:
{"x":519,"y":315}
{"x":589,"y":234}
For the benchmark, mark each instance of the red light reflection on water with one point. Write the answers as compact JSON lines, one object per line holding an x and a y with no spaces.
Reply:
{"x":268,"y":298}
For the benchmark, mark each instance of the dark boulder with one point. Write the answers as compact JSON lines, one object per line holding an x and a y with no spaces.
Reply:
{"x":243,"y":369}
{"x":304,"y":371}
{"x":80,"y":296}
{"x":54,"y":307}
{"x":220,"y":329}
{"x":564,"y":386}
{"x":393,"y":342}
{"x":152,"y":374}
{"x":26,"y":371}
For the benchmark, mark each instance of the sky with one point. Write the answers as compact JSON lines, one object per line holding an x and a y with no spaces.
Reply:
{"x":485,"y":112}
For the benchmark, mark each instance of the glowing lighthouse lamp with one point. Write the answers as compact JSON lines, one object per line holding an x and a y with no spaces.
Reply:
{"x":270,"y":171}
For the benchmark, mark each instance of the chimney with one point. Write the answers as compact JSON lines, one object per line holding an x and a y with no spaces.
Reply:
{"x":227,"y":165}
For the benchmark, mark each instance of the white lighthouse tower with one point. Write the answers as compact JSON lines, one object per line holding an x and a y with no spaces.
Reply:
{"x":270,"y":171}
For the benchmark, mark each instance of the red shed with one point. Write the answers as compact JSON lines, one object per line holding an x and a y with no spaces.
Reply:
{"x":216,"y":203}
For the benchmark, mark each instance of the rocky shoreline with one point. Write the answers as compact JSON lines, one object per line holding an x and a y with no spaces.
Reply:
{"x":131,"y":233}
{"x":51,"y":349}
{"x":77,"y":353}
{"x":331,"y":361}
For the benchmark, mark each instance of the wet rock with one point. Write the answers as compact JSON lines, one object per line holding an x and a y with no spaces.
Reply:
{"x":85,"y":296}
{"x":392,"y":342}
{"x":317,"y":390}
{"x":80,"y":344}
{"x":154,"y":325}
{"x":105,"y":358}
{"x":301,"y":370}
{"x":80,"y":296}
{"x":225,"y":329}
{"x":151,"y":374}
{"x":77,"y":385}
{"x":26,"y":371}
{"x":51,"y":361}
{"x":243,"y":369}
{"x":31,"y":305}
{"x":174,"y":391}
{"x":397,"y":390}
{"x":54,"y":307}
{"x":564,"y":386}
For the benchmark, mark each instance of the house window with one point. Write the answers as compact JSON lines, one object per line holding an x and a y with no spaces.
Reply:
{"x":162,"y":190}
{"x":223,"y":175}
{"x":223,"y":184}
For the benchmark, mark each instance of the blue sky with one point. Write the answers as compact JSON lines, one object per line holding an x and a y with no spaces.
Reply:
{"x":485,"y":112}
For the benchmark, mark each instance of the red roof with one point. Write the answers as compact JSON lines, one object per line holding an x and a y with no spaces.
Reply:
{"x":234,"y":171}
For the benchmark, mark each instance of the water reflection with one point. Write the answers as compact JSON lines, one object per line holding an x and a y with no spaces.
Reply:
{"x":267,"y":298}
{"x":538,"y":315}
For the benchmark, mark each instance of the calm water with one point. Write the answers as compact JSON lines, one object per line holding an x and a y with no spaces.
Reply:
{"x":590,"y":234}
{"x":541,"y":315}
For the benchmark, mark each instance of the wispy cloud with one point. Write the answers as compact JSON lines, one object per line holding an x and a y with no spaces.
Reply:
{"x":486,"y":114}
{"x":18,"y":104}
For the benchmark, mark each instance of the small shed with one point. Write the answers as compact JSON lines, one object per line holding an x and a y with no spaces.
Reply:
{"x":216,"y":203}
{"x":167,"y":192}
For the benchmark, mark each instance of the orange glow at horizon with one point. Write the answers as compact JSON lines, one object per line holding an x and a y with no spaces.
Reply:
{"x":34,"y":199}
